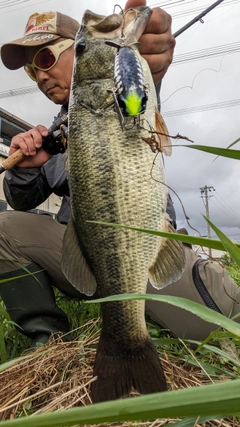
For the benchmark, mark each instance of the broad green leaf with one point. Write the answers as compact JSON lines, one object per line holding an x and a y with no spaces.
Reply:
{"x":224,"y":152}
{"x":192,"y":402}
{"x":205,"y":313}
{"x":193,"y":240}
{"x":229,"y":246}
{"x":230,"y":145}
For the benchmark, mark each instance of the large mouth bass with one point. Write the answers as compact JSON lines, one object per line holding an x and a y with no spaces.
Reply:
{"x":109,"y":163}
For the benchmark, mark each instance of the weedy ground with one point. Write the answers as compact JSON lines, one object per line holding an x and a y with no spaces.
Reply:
{"x":58,"y":376}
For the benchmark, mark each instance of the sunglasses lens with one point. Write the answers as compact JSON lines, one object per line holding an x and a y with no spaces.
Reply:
{"x":30,"y":72}
{"x":45,"y":59}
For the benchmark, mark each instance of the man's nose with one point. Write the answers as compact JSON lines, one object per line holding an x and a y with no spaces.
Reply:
{"x":41,"y":75}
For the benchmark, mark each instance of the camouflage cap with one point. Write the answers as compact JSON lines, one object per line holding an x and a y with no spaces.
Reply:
{"x":41,"y":28}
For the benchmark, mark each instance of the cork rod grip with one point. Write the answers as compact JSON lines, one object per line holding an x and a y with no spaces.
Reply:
{"x":12,"y":160}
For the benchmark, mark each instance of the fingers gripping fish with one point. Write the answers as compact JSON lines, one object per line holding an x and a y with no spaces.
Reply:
{"x":109,"y":176}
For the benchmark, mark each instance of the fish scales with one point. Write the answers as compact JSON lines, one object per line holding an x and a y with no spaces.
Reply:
{"x":110,"y":180}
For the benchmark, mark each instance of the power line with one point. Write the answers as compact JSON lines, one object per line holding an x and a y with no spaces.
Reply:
{"x":22,"y":7}
{"x":9,"y":3}
{"x":18,"y":91}
{"x":178,"y":60}
{"x":201,"y":108}
{"x":226,"y":206}
{"x":196,"y":10}
{"x":226,"y":213}
{"x":206,"y":53}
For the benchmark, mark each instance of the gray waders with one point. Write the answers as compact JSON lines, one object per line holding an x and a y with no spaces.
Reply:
{"x":30,"y":302}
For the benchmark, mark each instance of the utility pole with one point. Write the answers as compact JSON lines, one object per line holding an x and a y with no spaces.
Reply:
{"x":205,"y":196}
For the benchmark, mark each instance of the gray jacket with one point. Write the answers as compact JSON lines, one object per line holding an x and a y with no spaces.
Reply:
{"x":26,"y":188}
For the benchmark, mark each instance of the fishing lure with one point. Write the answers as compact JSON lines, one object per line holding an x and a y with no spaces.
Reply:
{"x":130,"y":90}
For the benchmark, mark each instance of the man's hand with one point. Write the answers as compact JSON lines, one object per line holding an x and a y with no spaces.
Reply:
{"x":157,"y":42}
{"x":30,"y":143}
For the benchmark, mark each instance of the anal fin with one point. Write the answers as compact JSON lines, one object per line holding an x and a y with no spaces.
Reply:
{"x":74,"y":265}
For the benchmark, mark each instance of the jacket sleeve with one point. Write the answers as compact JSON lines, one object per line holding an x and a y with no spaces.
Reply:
{"x":25,"y":189}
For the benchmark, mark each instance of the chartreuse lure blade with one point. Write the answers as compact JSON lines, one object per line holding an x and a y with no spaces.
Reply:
{"x":133,"y":104}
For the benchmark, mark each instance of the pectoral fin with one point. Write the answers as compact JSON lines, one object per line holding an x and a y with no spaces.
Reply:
{"x":74,"y":265}
{"x":170,"y":261}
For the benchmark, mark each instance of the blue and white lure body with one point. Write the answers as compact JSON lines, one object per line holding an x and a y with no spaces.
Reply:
{"x":130,"y":89}
{"x":134,"y":91}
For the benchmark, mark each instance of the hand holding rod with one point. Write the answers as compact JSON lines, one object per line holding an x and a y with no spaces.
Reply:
{"x":18,"y":156}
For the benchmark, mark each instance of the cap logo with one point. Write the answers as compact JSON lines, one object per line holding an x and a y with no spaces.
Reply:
{"x":44,"y":22}
{"x":38,"y":38}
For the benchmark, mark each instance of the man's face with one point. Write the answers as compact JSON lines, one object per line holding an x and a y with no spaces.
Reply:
{"x":56,"y":82}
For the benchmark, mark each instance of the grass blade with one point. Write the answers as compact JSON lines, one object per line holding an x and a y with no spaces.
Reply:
{"x":205,"y":400}
{"x":205,"y":313}
{"x":229,"y":246}
{"x":224,"y":152}
{"x":193,"y":240}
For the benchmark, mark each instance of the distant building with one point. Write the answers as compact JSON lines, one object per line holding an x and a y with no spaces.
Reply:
{"x":10,"y":126}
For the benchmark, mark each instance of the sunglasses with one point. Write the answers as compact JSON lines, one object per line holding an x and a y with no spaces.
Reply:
{"x":46,"y":58}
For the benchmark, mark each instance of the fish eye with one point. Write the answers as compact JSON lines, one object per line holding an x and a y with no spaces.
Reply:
{"x":80,"y":46}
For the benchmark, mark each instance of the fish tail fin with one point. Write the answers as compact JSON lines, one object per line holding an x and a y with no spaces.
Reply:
{"x":120,"y":373}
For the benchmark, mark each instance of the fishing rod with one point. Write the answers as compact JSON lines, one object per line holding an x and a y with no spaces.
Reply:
{"x":197,"y":18}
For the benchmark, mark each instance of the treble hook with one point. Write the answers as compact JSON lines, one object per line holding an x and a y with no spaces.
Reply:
{"x":123,"y":20}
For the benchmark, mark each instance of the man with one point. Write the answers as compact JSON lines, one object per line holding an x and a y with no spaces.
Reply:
{"x":32,"y":241}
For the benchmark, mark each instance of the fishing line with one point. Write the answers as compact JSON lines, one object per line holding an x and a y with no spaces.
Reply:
{"x":231,"y":7}
{"x":194,"y":29}
{"x":195,"y":77}
{"x":174,"y":192}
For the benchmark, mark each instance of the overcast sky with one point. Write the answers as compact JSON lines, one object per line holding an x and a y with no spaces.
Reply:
{"x":200,"y":99}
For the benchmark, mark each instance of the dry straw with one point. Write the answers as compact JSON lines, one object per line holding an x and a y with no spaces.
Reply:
{"x":58,"y":376}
